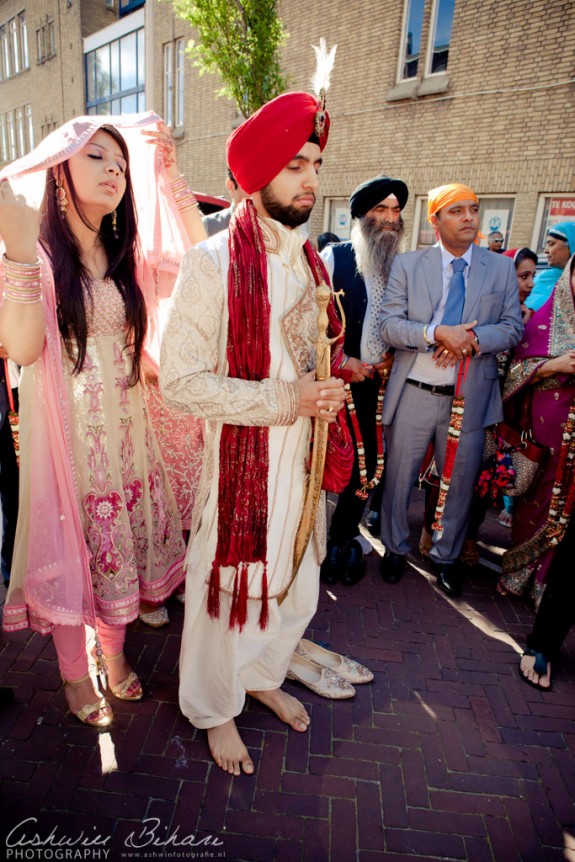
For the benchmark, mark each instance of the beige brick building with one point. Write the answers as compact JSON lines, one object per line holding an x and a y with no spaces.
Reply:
{"x":432,"y":91}
{"x":500,"y":116}
{"x":42,"y":80}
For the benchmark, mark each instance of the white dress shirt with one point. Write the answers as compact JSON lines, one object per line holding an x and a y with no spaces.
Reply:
{"x":424,"y":367}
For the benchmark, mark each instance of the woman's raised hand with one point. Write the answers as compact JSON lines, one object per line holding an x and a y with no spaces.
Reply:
{"x":162,"y":137}
{"x":19,"y":225}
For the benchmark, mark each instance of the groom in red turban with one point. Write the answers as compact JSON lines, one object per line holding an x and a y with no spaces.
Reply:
{"x":237,"y":352}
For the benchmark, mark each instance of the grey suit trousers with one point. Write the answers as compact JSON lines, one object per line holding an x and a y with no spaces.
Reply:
{"x":422,"y":417}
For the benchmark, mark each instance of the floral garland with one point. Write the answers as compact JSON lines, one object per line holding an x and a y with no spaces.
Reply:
{"x":563,"y":493}
{"x":367,"y":486}
{"x":453,"y":435}
{"x":561,"y":506}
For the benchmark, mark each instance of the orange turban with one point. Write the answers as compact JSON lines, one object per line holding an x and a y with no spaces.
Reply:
{"x":442,"y":196}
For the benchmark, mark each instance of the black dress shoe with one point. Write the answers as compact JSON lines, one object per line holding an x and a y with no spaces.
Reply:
{"x":354,"y":563}
{"x":373,"y":523}
{"x":449,"y":579}
{"x":392,"y":567}
{"x":333,"y":565}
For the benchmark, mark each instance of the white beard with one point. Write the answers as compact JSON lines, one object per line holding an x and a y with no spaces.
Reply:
{"x":374,"y":248}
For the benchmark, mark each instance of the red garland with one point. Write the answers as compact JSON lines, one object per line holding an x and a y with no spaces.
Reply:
{"x":363,"y":491}
{"x":453,"y":435}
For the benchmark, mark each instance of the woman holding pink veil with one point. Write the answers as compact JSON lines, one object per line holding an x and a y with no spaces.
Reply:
{"x":82,"y":280}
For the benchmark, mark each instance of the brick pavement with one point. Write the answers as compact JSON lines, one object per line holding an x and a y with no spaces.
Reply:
{"x":446,"y":755}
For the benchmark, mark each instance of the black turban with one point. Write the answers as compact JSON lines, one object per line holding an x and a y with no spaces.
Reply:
{"x":373,"y":191}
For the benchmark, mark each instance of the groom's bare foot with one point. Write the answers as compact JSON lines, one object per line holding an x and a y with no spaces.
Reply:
{"x":286,"y":707}
{"x":228,"y":750}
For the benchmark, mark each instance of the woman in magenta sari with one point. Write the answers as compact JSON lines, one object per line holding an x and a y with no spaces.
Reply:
{"x":543,"y":372}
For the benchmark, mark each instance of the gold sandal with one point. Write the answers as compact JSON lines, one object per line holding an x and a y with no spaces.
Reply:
{"x":101,"y":709}
{"x":122,"y":688}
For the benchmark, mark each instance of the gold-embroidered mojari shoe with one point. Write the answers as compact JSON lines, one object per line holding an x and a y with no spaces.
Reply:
{"x":346,"y":667}
{"x":98,"y":714}
{"x":155,"y":619}
{"x":321,"y":680}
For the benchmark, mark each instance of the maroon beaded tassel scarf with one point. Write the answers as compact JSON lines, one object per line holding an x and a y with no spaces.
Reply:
{"x":243,"y":477}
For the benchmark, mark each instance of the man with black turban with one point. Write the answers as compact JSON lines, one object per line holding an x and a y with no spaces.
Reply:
{"x":360,"y":268}
{"x":236,"y":351}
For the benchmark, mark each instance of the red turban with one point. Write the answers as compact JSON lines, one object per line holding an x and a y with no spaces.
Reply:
{"x":264,"y":144}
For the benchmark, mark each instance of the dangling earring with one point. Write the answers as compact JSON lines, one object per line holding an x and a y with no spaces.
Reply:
{"x":115,"y":224}
{"x":61,"y":198}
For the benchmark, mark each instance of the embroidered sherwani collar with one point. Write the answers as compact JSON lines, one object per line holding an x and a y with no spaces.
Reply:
{"x":278,"y":239}
{"x":288,"y":245}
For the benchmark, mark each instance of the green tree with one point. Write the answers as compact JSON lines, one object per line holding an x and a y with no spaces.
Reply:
{"x":239,"y":40}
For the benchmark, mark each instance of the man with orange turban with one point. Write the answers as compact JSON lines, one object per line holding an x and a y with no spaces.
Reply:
{"x":450,"y":307}
{"x":237,"y":352}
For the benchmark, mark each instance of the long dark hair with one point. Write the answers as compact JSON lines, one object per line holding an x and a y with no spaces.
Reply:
{"x":71,"y":278}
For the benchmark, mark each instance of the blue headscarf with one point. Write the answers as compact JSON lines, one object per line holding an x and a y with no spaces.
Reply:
{"x":546,"y":280}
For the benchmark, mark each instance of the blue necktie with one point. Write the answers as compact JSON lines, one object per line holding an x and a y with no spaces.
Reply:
{"x":453,"y":310}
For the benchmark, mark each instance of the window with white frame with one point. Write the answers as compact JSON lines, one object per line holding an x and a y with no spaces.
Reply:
{"x":179,"y":83}
{"x":440,"y":40}
{"x":20,"y":131}
{"x":23,"y":40}
{"x":115,"y":75}
{"x":5,"y":53}
{"x":169,"y":83}
{"x":419,"y":15}
{"x":29,"y":126}
{"x":13,"y":46}
{"x":495,"y":213}
{"x":16,"y":133}
{"x":412,"y":30}
{"x":174,"y":76}
{"x":3,"y":140}
{"x":46,"y":41}
{"x":12,"y":147}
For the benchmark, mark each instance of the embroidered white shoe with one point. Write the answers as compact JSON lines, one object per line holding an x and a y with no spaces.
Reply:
{"x":321,"y":680}
{"x":346,"y":667}
{"x":156,"y":619}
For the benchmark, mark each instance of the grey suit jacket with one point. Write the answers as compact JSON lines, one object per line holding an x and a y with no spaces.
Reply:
{"x":218,"y":221}
{"x":414,"y":289}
